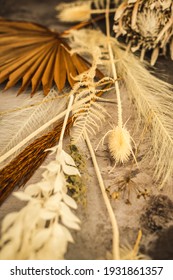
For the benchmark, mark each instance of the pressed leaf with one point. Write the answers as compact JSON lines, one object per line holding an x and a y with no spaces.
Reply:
{"x":41,"y":238}
{"x":69,"y":201}
{"x":36,"y":55}
{"x":47,"y":215}
{"x":22,"y":196}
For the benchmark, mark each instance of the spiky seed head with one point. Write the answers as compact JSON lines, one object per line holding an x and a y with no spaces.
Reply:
{"x":119,"y":143}
{"x":147,"y":25}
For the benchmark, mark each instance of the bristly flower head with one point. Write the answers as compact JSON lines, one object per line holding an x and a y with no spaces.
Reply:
{"x":147,"y":25}
{"x":119,"y":143}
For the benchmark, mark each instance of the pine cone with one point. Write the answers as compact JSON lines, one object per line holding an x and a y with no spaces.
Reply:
{"x":147,"y":25}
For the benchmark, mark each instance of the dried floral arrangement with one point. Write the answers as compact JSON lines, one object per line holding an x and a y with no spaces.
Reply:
{"x":83,"y":75}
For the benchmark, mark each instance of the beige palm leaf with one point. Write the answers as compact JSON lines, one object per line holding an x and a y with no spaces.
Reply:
{"x":36,"y":55}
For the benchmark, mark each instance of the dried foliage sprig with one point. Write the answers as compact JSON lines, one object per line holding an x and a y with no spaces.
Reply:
{"x":38,"y":231}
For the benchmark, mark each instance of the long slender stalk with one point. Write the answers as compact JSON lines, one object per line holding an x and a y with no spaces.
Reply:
{"x":107,"y":13}
{"x":66,"y":120}
{"x":115,"y":249}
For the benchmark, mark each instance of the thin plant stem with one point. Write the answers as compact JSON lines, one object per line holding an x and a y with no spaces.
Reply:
{"x":115,"y":249}
{"x":136,"y":247}
{"x":66,"y":120}
{"x":119,"y":104}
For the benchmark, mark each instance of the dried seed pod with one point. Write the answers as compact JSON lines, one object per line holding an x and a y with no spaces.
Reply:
{"x":119,"y":143}
{"x":147,"y":25}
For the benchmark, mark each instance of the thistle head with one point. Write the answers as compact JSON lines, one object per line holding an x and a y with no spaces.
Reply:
{"x":119,"y":143}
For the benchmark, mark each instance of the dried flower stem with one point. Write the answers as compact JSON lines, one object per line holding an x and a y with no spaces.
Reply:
{"x":66,"y":120}
{"x":115,"y":249}
{"x":136,"y":247}
{"x":120,"y":121}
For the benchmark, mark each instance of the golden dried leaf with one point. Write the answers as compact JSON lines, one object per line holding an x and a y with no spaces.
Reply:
{"x":36,"y":55}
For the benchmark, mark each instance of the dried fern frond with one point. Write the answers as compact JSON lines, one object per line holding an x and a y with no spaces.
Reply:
{"x":89,"y":115}
{"x":88,"y":118}
{"x":36,"y":55}
{"x":147,"y":25}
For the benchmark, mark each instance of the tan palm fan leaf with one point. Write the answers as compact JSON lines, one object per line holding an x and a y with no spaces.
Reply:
{"x":37,"y":55}
{"x":146,"y":25}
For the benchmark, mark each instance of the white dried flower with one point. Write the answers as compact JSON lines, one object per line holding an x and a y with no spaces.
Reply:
{"x":147,"y":25}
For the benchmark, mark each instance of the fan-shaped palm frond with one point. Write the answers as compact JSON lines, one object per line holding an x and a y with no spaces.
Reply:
{"x":36,"y":55}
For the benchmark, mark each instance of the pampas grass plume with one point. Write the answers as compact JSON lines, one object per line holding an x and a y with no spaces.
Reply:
{"x":74,"y":12}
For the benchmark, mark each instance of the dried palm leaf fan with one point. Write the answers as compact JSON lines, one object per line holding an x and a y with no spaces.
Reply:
{"x":147,"y":25}
{"x":36,"y":55}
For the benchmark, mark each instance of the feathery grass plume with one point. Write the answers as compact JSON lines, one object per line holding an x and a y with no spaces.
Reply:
{"x":154,"y":100}
{"x":146,"y":25}
{"x":27,"y":119}
{"x":81,"y":10}
{"x":75,"y":11}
